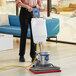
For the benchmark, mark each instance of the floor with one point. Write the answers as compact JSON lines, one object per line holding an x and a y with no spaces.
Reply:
{"x":63,"y":55}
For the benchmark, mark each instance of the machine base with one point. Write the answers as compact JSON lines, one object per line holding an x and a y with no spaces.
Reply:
{"x":44,"y":69}
{"x":39,"y":72}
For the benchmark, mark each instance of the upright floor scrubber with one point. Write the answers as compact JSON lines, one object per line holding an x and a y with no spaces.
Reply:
{"x":41,"y":64}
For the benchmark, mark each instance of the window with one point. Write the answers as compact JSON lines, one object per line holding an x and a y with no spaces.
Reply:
{"x":9,"y":8}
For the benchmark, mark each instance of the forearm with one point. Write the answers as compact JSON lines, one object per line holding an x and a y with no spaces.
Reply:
{"x":40,"y":5}
{"x":20,"y":4}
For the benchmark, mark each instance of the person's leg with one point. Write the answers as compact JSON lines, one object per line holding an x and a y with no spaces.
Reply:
{"x":24,"y":28}
{"x":23,"y":40}
{"x":33,"y":46}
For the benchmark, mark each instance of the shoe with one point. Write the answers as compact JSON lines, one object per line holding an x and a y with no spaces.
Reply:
{"x":22,"y":59}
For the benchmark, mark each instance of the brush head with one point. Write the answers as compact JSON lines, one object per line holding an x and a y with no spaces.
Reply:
{"x":49,"y":68}
{"x":40,"y":72}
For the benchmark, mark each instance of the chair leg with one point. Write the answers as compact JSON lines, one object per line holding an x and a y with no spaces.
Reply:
{"x":48,"y":38}
{"x":56,"y":39}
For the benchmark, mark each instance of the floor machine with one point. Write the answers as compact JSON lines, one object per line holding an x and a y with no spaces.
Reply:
{"x":41,"y":64}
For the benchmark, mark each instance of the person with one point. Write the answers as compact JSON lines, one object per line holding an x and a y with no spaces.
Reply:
{"x":25,"y":19}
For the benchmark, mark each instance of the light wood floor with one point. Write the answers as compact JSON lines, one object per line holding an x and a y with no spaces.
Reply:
{"x":63,"y":55}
